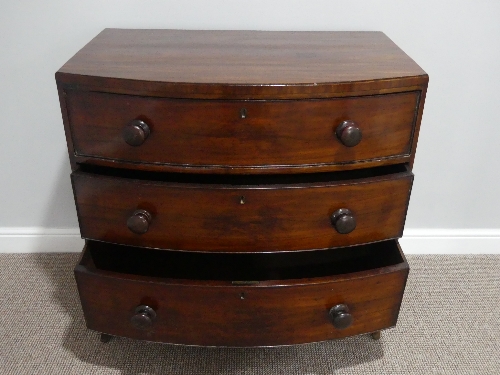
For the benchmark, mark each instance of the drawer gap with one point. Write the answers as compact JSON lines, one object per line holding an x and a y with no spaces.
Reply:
{"x":248,"y":266}
{"x":218,"y":179}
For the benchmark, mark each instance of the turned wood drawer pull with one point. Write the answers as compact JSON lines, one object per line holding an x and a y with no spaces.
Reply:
{"x":139,"y":221}
{"x":340,"y":316}
{"x":135,"y":132}
{"x":343,"y":221}
{"x":143,"y":318}
{"x":348,"y":133}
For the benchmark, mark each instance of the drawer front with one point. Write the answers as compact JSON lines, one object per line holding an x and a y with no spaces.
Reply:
{"x":242,"y":135}
{"x":205,"y":217}
{"x":219,"y":313}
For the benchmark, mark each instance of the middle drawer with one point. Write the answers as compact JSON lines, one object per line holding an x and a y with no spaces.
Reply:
{"x":242,"y":214}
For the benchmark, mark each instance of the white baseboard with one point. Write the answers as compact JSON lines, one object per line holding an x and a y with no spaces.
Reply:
{"x":451,"y":241}
{"x":414,"y":241}
{"x":40,"y":240}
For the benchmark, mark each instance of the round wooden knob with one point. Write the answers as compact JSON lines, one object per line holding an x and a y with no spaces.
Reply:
{"x":143,"y":318}
{"x":340,"y":316}
{"x":348,"y":133}
{"x":343,"y":221}
{"x":135,"y":132}
{"x":139,"y":221}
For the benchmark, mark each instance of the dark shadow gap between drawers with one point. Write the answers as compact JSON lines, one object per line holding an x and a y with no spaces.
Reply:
{"x":241,"y":267}
{"x":251,"y":180}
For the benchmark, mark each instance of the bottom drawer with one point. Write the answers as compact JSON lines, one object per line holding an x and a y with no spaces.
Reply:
{"x":253,"y":299}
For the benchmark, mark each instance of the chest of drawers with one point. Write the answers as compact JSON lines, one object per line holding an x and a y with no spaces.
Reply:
{"x":241,"y":188}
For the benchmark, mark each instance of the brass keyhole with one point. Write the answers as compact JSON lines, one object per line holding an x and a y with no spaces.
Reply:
{"x":243,"y":113}
{"x":242,"y":200}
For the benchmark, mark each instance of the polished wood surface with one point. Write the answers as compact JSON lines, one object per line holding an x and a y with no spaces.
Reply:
{"x":349,"y":133}
{"x":343,"y":220}
{"x":417,"y":124}
{"x":213,"y":136}
{"x":221,"y":312}
{"x":135,"y":132}
{"x":204,"y":161}
{"x":240,"y":64}
{"x":340,"y":316}
{"x":273,"y":217}
{"x":139,"y":221}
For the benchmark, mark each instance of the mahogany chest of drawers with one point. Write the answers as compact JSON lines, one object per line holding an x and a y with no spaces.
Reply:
{"x":241,"y":188}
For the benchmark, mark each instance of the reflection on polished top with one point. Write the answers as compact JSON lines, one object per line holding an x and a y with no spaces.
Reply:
{"x":251,"y":63}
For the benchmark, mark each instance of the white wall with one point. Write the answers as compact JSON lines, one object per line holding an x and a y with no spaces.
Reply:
{"x":457,"y":43}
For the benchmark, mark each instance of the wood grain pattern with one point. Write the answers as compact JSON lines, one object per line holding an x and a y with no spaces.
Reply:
{"x":233,"y":166}
{"x":205,"y":217}
{"x":67,"y":130}
{"x":240,"y":64}
{"x":279,"y":312}
{"x":418,"y":121}
{"x":211,"y":135}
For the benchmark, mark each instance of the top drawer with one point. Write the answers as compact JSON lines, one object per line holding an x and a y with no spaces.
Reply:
{"x":240,"y":135}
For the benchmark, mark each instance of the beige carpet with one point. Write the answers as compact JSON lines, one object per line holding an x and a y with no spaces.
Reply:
{"x":449,"y":324}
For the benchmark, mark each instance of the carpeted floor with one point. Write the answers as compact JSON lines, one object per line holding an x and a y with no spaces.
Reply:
{"x":449,"y":324}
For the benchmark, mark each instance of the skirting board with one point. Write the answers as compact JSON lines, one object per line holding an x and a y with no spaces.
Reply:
{"x":40,"y":240}
{"x":414,"y":241}
{"x":451,"y":241}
